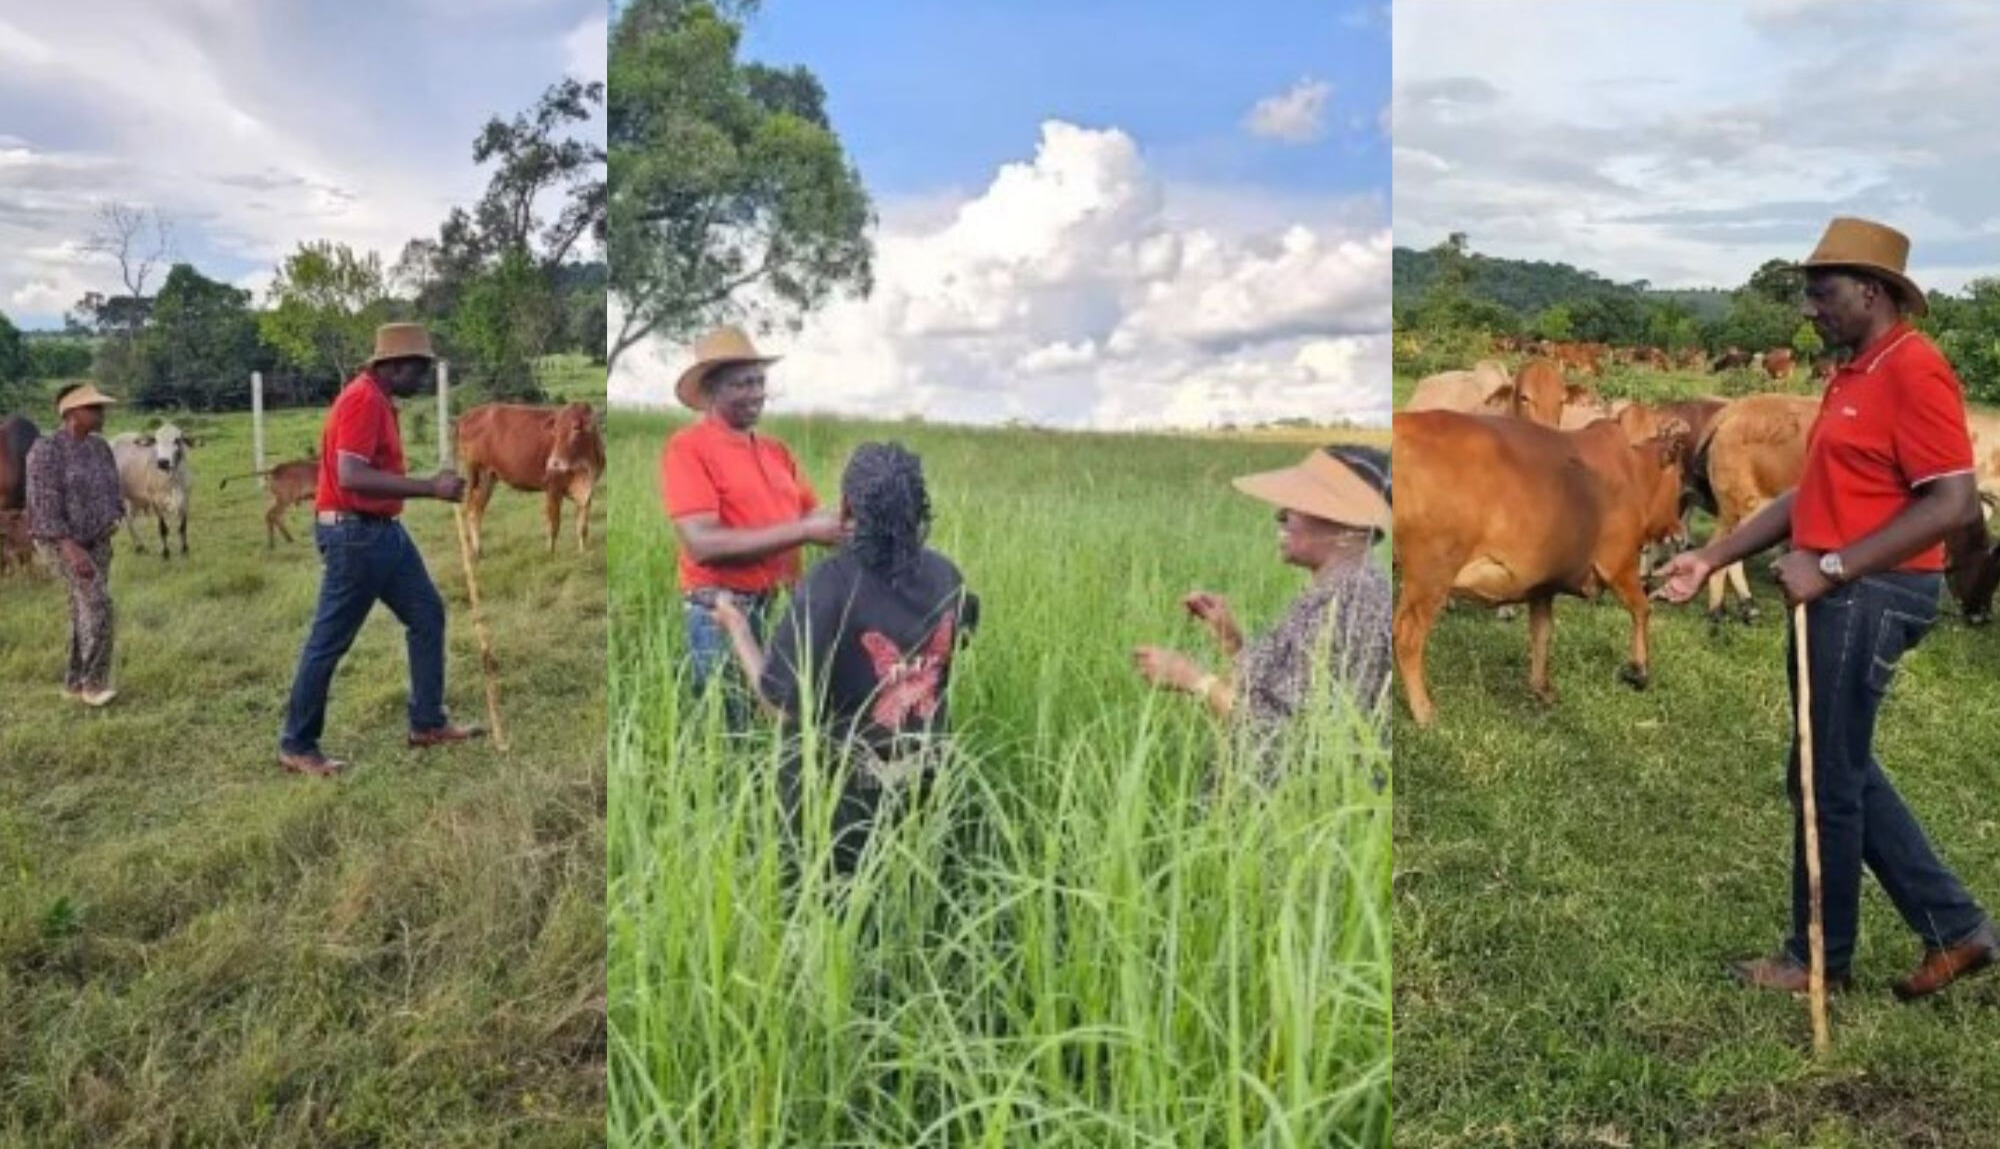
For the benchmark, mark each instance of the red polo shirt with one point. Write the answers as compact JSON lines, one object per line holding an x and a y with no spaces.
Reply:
{"x":745,"y":479}
{"x":1892,"y":419}
{"x":363,"y":423}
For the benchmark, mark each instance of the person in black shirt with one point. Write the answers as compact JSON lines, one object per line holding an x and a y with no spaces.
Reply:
{"x":865,"y":650}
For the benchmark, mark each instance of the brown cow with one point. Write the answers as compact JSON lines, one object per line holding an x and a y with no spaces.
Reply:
{"x":1484,"y":388}
{"x":1755,"y":450}
{"x":16,"y":548}
{"x":287,"y":484}
{"x":1502,"y":511}
{"x":1730,"y":359}
{"x":1778,"y":363}
{"x":17,"y":434}
{"x":1540,"y":394}
{"x":555,"y":450}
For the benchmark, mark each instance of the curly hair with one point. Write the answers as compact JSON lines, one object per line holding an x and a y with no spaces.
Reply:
{"x":884,"y":489}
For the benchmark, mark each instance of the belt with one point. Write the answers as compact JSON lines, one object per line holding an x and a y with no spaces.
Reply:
{"x":705,"y":596}
{"x":335,"y":518}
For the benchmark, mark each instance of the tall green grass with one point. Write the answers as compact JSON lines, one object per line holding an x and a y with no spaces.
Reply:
{"x":197,"y":949}
{"x":1062,"y":945}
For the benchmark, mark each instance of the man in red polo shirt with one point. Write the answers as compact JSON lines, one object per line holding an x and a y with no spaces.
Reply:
{"x":1889,"y":473}
{"x":368,"y":556}
{"x":740,"y":508}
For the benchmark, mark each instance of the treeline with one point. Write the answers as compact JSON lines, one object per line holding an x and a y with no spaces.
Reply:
{"x":501,"y":285}
{"x":1458,"y":300}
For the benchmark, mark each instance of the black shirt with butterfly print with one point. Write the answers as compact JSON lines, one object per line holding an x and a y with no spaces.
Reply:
{"x":881,"y":655}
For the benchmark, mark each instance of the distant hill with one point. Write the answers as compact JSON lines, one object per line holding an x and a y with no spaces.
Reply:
{"x":1531,"y":287}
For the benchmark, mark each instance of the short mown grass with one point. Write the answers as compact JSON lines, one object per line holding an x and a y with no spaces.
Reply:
{"x":1570,"y":882}
{"x":198,"y":949}
{"x":1064,"y":947}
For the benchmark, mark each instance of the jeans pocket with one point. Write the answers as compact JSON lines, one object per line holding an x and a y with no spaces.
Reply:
{"x":1894,"y":636}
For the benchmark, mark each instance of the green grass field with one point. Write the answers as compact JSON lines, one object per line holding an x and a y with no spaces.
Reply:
{"x":1063,"y":949}
{"x":198,"y":949}
{"x":1571,"y":880}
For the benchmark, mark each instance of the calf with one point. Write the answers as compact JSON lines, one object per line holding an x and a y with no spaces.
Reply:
{"x":1484,"y":388}
{"x":153,"y":476}
{"x":287,"y":484}
{"x":1502,"y":511}
{"x":1755,"y":450}
{"x":558,"y":451}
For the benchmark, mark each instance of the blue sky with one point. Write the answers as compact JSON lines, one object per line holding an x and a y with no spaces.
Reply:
{"x":932,"y":95}
{"x":256,"y":126}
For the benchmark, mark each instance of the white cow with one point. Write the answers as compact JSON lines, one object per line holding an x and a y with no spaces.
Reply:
{"x":153,"y":476}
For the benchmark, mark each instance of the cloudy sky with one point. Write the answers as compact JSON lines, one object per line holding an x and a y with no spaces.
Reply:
{"x":1686,"y":142}
{"x":255,"y":126}
{"x":1111,"y":215}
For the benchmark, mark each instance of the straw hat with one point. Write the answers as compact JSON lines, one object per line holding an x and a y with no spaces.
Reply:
{"x":722,"y":346}
{"x":1321,"y":486}
{"x":1864,"y":245}
{"x":83,"y":396}
{"x":402,"y":341}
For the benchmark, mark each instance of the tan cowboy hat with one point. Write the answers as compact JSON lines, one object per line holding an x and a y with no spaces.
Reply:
{"x":1872,"y":247}
{"x":84,"y":396}
{"x":721,"y":346}
{"x":1323,"y":487}
{"x":402,"y":341}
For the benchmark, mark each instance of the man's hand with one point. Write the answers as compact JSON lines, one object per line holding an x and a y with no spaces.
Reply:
{"x":448,"y":486}
{"x":1799,"y":574}
{"x":78,"y":560}
{"x":1684,"y":575}
{"x":824,"y":527}
{"x":1169,"y":669}
{"x":1214,"y":610}
{"x":728,"y":615}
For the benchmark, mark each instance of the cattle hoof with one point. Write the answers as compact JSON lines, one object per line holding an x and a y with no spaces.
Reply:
{"x":1632,"y":676}
{"x":1546,"y":696}
{"x":1979,"y":618}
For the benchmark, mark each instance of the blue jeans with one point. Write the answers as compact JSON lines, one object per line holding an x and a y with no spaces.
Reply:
{"x":710,"y":656}
{"x":367,"y":561}
{"x":1857,"y":636}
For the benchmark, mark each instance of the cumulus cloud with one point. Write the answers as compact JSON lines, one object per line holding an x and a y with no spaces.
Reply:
{"x":1080,"y":289}
{"x":1688,"y":152}
{"x":1296,"y":116}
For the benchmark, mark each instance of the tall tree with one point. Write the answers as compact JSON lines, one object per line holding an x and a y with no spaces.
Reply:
{"x":200,"y":347}
{"x":535,"y":158}
{"x":731,"y":194}
{"x":326,"y":302}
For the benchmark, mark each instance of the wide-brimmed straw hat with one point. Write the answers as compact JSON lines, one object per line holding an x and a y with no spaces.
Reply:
{"x":718,"y":348}
{"x":1863,"y":245}
{"x":83,"y":396}
{"x":1324,"y":487}
{"x":402,"y":341}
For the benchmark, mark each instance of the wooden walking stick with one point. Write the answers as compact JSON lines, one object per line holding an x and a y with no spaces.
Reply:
{"x":1816,"y":932}
{"x":489,"y":666}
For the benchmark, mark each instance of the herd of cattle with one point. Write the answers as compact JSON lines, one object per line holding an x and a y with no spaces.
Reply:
{"x":1516,"y":489}
{"x":558,"y":451}
{"x":1592,"y":358}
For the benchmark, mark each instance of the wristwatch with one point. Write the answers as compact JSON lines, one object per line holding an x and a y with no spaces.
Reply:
{"x":1829,"y":565}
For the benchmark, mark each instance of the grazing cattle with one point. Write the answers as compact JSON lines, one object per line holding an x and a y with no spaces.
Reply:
{"x":153,"y":476}
{"x":1484,"y":388}
{"x":1540,"y":393}
{"x":1778,"y":363}
{"x":1729,"y":360}
{"x":1503,"y":511}
{"x":17,"y":434}
{"x":16,"y":548}
{"x":1754,"y":451}
{"x":558,"y":451}
{"x":287,"y":484}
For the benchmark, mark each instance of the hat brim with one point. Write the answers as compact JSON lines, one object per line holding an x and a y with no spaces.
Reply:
{"x":688,"y":388}
{"x":1343,"y":499}
{"x":93,"y":399}
{"x":1913,"y":295}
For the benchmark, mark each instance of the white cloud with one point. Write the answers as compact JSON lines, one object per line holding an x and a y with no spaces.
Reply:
{"x":1079,"y":289}
{"x":1687,"y":152}
{"x":585,"y":48}
{"x":1296,"y":116}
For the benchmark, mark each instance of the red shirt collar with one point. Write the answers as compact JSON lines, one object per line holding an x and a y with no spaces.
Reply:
{"x":1864,"y":360}
{"x":717,"y":425}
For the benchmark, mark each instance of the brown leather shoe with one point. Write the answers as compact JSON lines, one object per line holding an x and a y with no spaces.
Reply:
{"x":1942,"y":967}
{"x":445,"y":735}
{"x":314,"y":765}
{"x":1783,"y":973}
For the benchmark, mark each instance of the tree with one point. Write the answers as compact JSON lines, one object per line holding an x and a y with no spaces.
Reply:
{"x":1554,"y":323}
{"x":1806,"y":341}
{"x":13,"y":352}
{"x":729,"y":185}
{"x":326,"y":303}
{"x":58,"y":358}
{"x":502,"y":323}
{"x":200,"y":347}
{"x":1779,"y":281}
{"x":533,"y":160}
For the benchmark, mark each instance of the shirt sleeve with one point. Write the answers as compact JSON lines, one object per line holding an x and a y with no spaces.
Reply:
{"x":685,"y":486}
{"x":1931,"y":439}
{"x":46,"y":520}
{"x":356,"y":429}
{"x":808,"y":498}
